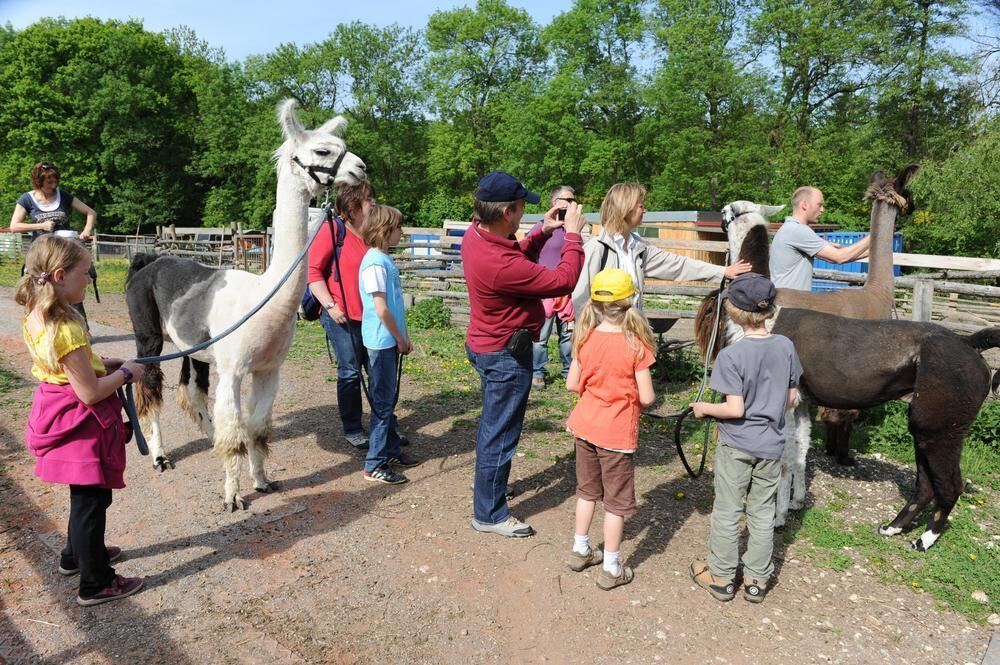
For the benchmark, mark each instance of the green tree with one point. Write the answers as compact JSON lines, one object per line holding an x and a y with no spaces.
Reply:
{"x":708,"y":122}
{"x":104,"y":101}
{"x":477,"y":58}
{"x":959,"y":200}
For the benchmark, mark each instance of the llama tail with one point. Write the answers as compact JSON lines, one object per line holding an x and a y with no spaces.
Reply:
{"x":704,"y":322}
{"x":139,"y":261}
{"x":985,"y":339}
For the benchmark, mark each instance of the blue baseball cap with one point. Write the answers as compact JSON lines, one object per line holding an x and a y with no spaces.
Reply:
{"x":500,"y":186}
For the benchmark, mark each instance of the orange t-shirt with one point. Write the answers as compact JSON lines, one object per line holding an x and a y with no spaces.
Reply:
{"x":607,"y":414}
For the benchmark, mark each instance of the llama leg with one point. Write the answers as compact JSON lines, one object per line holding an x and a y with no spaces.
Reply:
{"x":952,"y":382}
{"x":802,"y":431}
{"x":262,"y":395}
{"x":922,"y":496}
{"x":230,"y":442}
{"x":785,"y":482}
{"x":192,"y":397}
{"x":945,"y":475}
{"x":149,"y":400}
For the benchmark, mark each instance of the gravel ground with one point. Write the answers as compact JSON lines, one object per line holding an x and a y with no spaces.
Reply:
{"x":332,"y":569}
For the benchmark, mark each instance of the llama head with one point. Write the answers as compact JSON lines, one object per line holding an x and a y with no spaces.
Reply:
{"x":893,"y":191}
{"x":319,"y":156}
{"x":738,"y":218}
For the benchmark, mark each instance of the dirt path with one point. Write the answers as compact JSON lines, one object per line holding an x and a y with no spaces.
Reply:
{"x":332,"y":569}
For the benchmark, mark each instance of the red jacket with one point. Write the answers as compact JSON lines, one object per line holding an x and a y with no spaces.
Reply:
{"x":506,"y":285}
{"x":320,"y":260}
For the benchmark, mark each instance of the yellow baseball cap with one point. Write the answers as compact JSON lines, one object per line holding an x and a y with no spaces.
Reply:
{"x":611,"y":284}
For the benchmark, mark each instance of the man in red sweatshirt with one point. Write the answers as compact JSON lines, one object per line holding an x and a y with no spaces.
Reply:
{"x":506,"y":286}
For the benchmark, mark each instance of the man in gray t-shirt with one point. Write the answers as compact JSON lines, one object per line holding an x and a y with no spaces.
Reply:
{"x":796,"y":245}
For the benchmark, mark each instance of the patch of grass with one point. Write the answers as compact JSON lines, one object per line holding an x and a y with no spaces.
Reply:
{"x":9,"y":380}
{"x":540,"y":425}
{"x":111,"y":274}
{"x":961,"y":562}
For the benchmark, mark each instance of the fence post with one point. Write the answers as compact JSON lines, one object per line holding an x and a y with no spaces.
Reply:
{"x":923,"y":299}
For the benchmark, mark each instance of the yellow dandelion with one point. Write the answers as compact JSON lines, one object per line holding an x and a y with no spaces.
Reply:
{"x":679,"y":495}
{"x":972,"y":556}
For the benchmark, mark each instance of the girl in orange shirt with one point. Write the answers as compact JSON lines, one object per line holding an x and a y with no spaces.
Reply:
{"x":612,"y":353}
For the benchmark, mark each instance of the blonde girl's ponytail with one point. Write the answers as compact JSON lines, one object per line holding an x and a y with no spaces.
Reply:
{"x":36,"y":292}
{"x":637,"y":330}
{"x":586,"y":321}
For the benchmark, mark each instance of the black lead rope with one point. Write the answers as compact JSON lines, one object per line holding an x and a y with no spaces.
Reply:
{"x":701,"y":391}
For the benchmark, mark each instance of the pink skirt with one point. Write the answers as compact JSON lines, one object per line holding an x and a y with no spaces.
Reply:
{"x":75,"y":443}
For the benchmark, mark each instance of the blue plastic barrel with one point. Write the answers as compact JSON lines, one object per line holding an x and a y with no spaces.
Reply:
{"x":848,"y":238}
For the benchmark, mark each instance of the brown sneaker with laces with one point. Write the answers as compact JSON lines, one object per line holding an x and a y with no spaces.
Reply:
{"x":120,"y":587}
{"x":719,"y":588}
{"x":578,"y":562}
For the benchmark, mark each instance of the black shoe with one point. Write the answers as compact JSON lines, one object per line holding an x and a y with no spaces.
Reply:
{"x":385,"y":474}
{"x":403,"y":441}
{"x":403,"y":460}
{"x":357,"y":439}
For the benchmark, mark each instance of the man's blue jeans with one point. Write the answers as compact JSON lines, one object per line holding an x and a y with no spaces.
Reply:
{"x":382,"y":445}
{"x":541,"y":347}
{"x":346,"y":341}
{"x":506,"y":383}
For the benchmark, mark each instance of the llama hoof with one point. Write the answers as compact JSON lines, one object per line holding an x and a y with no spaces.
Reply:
{"x":237,"y":501}
{"x":268,"y":487}
{"x":887,"y":530}
{"x":845,"y":461}
{"x":162,"y":463}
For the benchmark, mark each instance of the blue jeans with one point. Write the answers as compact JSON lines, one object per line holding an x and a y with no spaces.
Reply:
{"x":346,"y":341}
{"x":541,"y":348}
{"x":506,"y":383}
{"x":382,"y":445}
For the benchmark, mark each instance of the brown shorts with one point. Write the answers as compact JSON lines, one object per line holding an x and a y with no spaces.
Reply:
{"x":605,"y":475}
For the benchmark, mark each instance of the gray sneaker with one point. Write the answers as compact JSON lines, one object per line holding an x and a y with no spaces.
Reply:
{"x":510,"y":528}
{"x":357,"y":439}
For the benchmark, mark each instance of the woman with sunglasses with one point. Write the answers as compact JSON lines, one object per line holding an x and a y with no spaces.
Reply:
{"x":47,"y":208}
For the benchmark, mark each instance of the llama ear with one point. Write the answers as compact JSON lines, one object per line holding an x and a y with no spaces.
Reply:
{"x":291,"y":126}
{"x":334,"y":126}
{"x":767,"y":211}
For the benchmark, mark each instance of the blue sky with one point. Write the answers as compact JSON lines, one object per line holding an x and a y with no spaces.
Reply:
{"x":248,"y":27}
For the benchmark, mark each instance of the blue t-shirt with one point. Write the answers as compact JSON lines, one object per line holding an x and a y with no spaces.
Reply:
{"x":378,"y":273}
{"x":760,"y":370}
{"x":57,"y":211}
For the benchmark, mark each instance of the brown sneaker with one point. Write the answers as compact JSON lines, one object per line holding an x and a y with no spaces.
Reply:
{"x":607,"y":581}
{"x":719,"y":588}
{"x":754,"y":590}
{"x":578,"y":562}
{"x":120,"y":587}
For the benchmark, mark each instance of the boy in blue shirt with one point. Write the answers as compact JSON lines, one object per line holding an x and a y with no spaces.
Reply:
{"x":383,"y":331}
{"x":758,"y":375}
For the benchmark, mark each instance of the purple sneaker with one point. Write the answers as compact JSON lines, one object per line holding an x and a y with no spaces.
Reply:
{"x":119,"y":588}
{"x":114,"y":553}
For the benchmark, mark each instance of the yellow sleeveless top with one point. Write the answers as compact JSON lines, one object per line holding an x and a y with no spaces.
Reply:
{"x":69,"y":337}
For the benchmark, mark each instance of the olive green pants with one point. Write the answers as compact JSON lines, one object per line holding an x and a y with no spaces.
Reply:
{"x":741,"y":476}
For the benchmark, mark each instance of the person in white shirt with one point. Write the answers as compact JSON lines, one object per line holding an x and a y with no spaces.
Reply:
{"x":619,"y":246}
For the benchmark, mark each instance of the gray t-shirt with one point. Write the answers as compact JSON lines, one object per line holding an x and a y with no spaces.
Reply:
{"x":761,"y":370}
{"x":792,"y":254}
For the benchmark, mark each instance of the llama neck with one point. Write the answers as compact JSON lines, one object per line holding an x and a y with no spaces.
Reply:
{"x":291,"y":214}
{"x":880,"y":254}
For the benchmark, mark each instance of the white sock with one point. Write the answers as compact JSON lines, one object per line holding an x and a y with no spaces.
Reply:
{"x":581,"y":544}
{"x":611,"y":563}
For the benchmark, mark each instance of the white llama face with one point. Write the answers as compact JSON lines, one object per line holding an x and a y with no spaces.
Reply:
{"x":321,"y":148}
